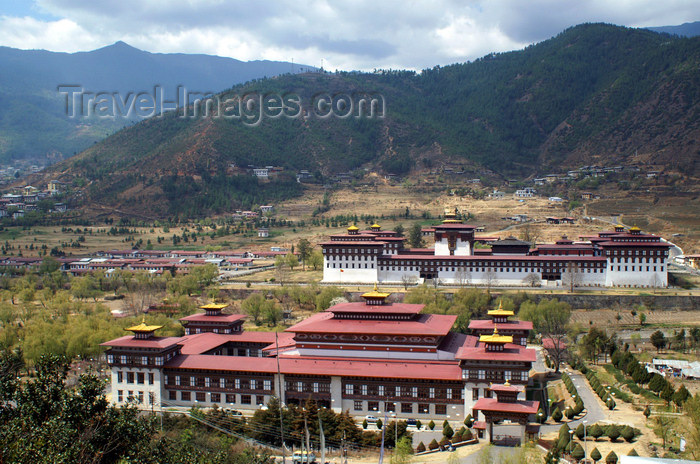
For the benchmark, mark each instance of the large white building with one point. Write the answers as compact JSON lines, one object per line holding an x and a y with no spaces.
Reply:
{"x":617,"y":258}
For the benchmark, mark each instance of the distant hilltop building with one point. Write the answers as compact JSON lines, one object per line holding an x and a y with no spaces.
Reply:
{"x":618,"y":258}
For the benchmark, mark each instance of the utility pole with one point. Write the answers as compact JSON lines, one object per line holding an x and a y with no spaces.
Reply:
{"x":279,"y":397}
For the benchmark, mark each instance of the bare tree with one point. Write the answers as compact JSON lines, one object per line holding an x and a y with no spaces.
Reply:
{"x":490,"y":278}
{"x":573,"y":275}
{"x":407,"y":280}
{"x":463,"y":277}
{"x":532,"y":280}
{"x":529,"y":234}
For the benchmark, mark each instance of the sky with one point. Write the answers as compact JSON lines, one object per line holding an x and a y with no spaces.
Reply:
{"x":340,"y":34}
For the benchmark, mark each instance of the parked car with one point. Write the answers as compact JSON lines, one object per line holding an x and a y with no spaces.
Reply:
{"x":411,"y":422}
{"x":303,"y":457}
{"x":370,"y":419}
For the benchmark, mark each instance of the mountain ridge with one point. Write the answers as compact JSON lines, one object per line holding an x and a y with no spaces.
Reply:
{"x":31,"y":88}
{"x":595,"y":93}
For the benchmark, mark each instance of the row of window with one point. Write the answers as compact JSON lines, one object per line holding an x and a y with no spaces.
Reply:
{"x":307,"y":387}
{"x":196,"y":330}
{"x":637,"y":268}
{"x":406,"y":408}
{"x":221,"y":382}
{"x":403,"y":391}
{"x":138,"y":378}
{"x":494,"y":376}
{"x":616,"y":252}
{"x":137,"y":397}
{"x":631,"y":260}
{"x":230,"y":398}
{"x":140,"y":360}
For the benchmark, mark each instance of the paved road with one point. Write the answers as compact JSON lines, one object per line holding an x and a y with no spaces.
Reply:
{"x":595,"y":412}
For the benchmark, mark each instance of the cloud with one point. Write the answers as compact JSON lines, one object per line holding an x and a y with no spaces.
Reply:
{"x":346,"y":34}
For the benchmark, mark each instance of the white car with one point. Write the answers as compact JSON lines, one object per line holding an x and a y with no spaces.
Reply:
{"x":370,"y":419}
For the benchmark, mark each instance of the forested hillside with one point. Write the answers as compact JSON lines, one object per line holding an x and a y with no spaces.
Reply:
{"x":594,"y":94}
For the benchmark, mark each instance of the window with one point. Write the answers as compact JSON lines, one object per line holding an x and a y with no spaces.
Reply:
{"x":431,"y":392}
{"x":140,"y":397}
{"x":424,"y":408}
{"x":245,"y":399}
{"x":185,"y":396}
{"x":129,"y":377}
{"x":144,"y":360}
{"x":448,"y":393}
{"x":475,"y":394}
{"x":120,"y":396}
{"x":151,"y":379}
{"x":140,"y":378}
{"x":407,"y":408}
{"x":373,"y":405}
{"x":151,"y":398}
{"x":159,"y":360}
{"x":398,"y":391}
{"x":216,"y":397}
{"x":390,"y":407}
{"x":363,"y":389}
{"x":260,"y":400}
{"x":192,"y":381}
{"x":357,"y":405}
{"x":172,"y":395}
{"x":222,"y":383}
{"x":110,"y":358}
{"x":178,"y":380}
{"x":201,"y":396}
{"x":120,"y":377}
{"x":482,"y":374}
{"x":122,"y":359}
{"x":237,"y":384}
{"x":414,"y":392}
{"x":381,"y":390}
{"x":349,"y":389}
{"x":315,"y":387}
{"x":207,"y":382}
{"x":253,"y":384}
{"x":267,"y":385}
{"x":230,"y":398}
{"x":440,"y":409}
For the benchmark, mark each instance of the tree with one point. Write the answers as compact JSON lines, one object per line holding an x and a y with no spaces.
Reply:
{"x":415,"y":236}
{"x":281,"y":269}
{"x":642,"y":319}
{"x":647,"y":411}
{"x":611,"y":458}
{"x":573,"y":275}
{"x":667,"y":393}
{"x":658,"y":339}
{"x":433,"y":445}
{"x":691,"y":410}
{"x":431,"y":425}
{"x":316,"y":259}
{"x":447,"y":432}
{"x":291,"y":260}
{"x":49,"y":265}
{"x":557,"y":415}
{"x":463,"y":277}
{"x":549,"y":318}
{"x":399,"y":229}
{"x":596,"y":431}
{"x":595,"y":455}
{"x":613,"y":432}
{"x":636,"y":339}
{"x":403,"y":451}
{"x":580,"y":431}
{"x":304,"y":249}
{"x":681,"y":396}
{"x":532,"y":280}
{"x":663,"y":427}
{"x":420,"y":448}
{"x":628,"y":434}
{"x":578,"y":452}
{"x":407,"y":280}
{"x":679,"y":338}
{"x":256,"y":305}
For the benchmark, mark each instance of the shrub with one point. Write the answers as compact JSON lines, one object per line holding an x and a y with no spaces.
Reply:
{"x":433,"y":445}
{"x":557,"y":415}
{"x":595,"y":455}
{"x":577,"y":453}
{"x":596,"y":432}
{"x":613,"y":432}
{"x":467,"y":435}
{"x":628,"y":433}
{"x":419,"y":424}
{"x":444,"y":442}
{"x":611,"y":458}
{"x":364,"y":424}
{"x":569,"y":413}
{"x":447,"y":431}
{"x":420,"y":448}
{"x":379,"y":424}
{"x":632,"y":453}
{"x":431,"y":425}
{"x":580,"y":431}
{"x":445,"y":423}
{"x":469,"y":420}
{"x":578,"y":409}
{"x":610,"y":404}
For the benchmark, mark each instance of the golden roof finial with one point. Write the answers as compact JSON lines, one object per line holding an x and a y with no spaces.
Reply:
{"x":507,"y":384}
{"x":495,"y":329}
{"x":375,"y":286}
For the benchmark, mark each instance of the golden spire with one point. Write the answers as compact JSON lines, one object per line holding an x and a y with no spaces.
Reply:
{"x":507,"y":384}
{"x":495,"y":329}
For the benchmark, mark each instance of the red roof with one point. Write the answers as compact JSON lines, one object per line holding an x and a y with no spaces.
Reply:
{"x":353,"y":242}
{"x":393,"y":308}
{"x":481,"y":324}
{"x":635,"y":244}
{"x":374,"y":368}
{"x":492,"y":404}
{"x":203,"y":342}
{"x":511,"y":352}
{"x":128,"y":341}
{"x":423,"y":324}
{"x":202,"y":317}
{"x":507,"y":388}
{"x":497,"y":258}
{"x":454,"y":226}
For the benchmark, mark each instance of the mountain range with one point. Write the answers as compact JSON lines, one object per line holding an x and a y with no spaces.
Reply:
{"x":34,"y":124}
{"x":594,"y":94}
